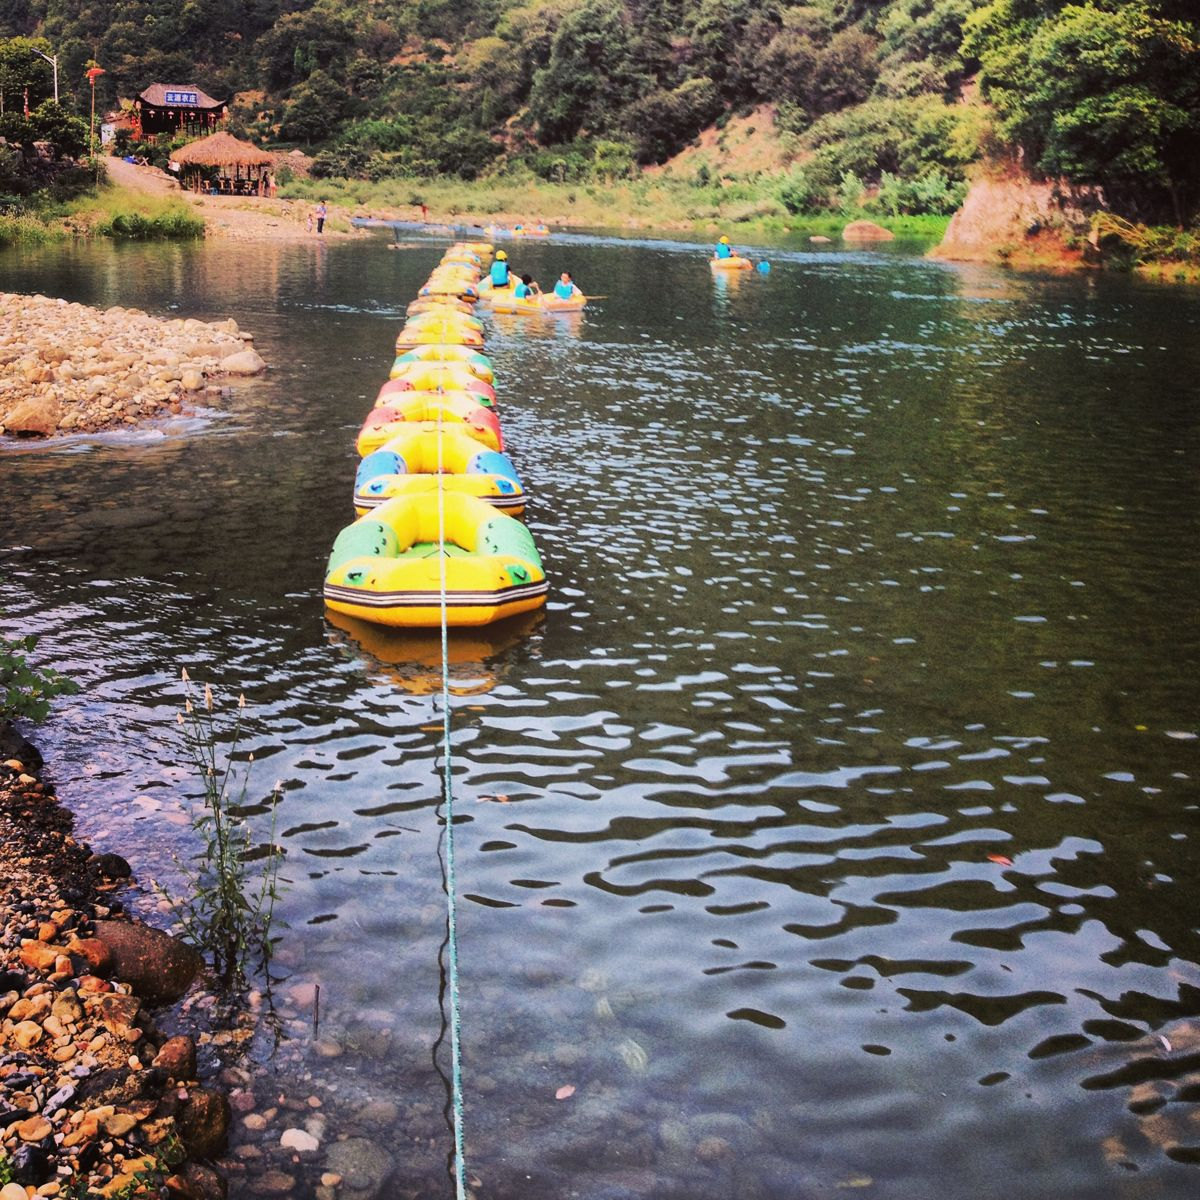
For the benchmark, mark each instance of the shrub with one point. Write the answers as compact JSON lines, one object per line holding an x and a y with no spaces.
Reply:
{"x":800,"y":192}
{"x":25,"y":690}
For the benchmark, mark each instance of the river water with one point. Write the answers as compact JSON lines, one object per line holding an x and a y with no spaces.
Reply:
{"x":834,"y":827}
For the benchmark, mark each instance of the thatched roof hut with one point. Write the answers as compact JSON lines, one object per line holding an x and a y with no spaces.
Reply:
{"x":240,"y":166}
{"x":222,"y":150}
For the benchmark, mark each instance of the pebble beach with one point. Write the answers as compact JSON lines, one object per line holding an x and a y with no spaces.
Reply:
{"x":68,"y":368}
{"x":94,"y":1098}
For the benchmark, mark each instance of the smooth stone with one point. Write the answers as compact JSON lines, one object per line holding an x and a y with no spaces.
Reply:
{"x":363,"y":1165}
{"x":298,"y":1139}
{"x":245,"y":362}
{"x":272,"y":1183}
{"x":203,"y":1123}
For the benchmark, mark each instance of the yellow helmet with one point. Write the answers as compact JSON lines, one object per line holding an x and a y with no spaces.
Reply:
{"x":501,"y":255}
{"x":725,"y":241}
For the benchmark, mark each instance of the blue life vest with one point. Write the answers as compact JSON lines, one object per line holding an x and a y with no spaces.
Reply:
{"x":723,"y":250}
{"x":500,"y":273}
{"x":564,"y":291}
{"x":522,"y":290}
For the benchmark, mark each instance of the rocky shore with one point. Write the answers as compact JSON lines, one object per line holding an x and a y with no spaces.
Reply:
{"x":68,"y":368}
{"x":94,"y":1099}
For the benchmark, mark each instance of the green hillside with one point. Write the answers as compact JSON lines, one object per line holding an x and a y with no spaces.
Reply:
{"x":902,"y":95}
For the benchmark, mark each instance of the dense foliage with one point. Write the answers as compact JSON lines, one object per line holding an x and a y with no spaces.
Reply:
{"x":878,"y":90}
{"x":1105,"y":92}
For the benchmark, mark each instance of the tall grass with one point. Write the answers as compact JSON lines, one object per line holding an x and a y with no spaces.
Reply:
{"x":26,"y":228}
{"x":123,"y":214}
{"x":228,"y":909}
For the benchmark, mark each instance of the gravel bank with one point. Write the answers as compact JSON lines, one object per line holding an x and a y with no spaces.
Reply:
{"x":68,"y":368}
{"x":93,"y":1097}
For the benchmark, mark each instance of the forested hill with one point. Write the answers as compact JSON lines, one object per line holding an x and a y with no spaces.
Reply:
{"x":1102,"y":91}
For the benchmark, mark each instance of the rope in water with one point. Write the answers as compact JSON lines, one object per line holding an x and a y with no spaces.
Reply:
{"x":456,"y":1090}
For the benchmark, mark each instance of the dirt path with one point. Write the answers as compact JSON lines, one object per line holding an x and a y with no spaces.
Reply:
{"x":246,"y":218}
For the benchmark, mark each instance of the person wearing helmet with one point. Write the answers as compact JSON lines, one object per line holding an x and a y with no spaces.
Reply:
{"x":499,"y":272}
{"x":723,"y":249}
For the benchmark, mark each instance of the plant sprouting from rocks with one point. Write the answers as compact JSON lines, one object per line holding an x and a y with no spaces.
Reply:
{"x":26,"y":690}
{"x":229,"y":908}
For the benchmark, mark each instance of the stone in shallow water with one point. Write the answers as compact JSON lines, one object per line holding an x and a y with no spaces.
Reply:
{"x":158,"y":966}
{"x":363,"y":1165}
{"x":298,"y":1139}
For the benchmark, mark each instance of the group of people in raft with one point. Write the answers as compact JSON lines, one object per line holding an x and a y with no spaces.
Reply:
{"x":525,"y":287}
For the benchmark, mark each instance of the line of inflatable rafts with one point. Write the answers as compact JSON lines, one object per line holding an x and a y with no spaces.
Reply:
{"x":433,"y":461}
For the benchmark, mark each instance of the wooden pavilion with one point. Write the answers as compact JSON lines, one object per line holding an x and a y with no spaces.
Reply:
{"x":172,"y":108}
{"x":225,"y":165}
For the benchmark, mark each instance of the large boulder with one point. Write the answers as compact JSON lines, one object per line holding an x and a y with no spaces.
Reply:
{"x":156,"y":965}
{"x":866,"y":231}
{"x":35,"y":416}
{"x":1009,"y":216}
{"x":245,"y":362}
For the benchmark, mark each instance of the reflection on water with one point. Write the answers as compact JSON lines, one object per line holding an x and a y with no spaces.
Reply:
{"x":834,"y":826}
{"x":413,"y":660}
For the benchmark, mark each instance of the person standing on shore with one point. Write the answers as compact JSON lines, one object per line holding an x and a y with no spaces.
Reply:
{"x":322,"y":211}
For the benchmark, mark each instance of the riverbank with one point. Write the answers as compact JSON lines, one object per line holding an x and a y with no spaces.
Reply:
{"x":746,"y":212}
{"x":229,"y":218}
{"x":69,"y":368}
{"x":97,"y":1100}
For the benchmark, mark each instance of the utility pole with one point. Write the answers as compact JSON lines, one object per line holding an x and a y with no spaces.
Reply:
{"x":91,"y":73}
{"x":52,"y":59}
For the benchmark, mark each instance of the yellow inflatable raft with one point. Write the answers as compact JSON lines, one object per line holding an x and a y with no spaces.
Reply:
{"x":385,"y":421}
{"x":506,"y":302}
{"x":440,"y":304}
{"x":461,"y":320}
{"x":735,"y":262}
{"x":410,"y":463}
{"x":437,"y":377}
{"x":440,"y":333}
{"x":553,"y":303}
{"x":388,"y":566}
{"x":477,"y":364}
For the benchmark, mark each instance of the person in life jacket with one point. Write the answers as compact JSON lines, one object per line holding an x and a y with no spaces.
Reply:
{"x":565,"y":288}
{"x":723,"y":249}
{"x":499,"y":270}
{"x":526,"y":289}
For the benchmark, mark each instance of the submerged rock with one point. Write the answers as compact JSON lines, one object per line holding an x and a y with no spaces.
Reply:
{"x":158,"y":966}
{"x":363,"y":1166}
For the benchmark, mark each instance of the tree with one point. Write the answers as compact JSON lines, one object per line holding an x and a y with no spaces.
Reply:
{"x":24,"y":75}
{"x":662,"y":122}
{"x":68,"y":134}
{"x":1099,"y":92}
{"x":589,"y":77}
{"x":315,"y":110}
{"x":302,"y":42}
